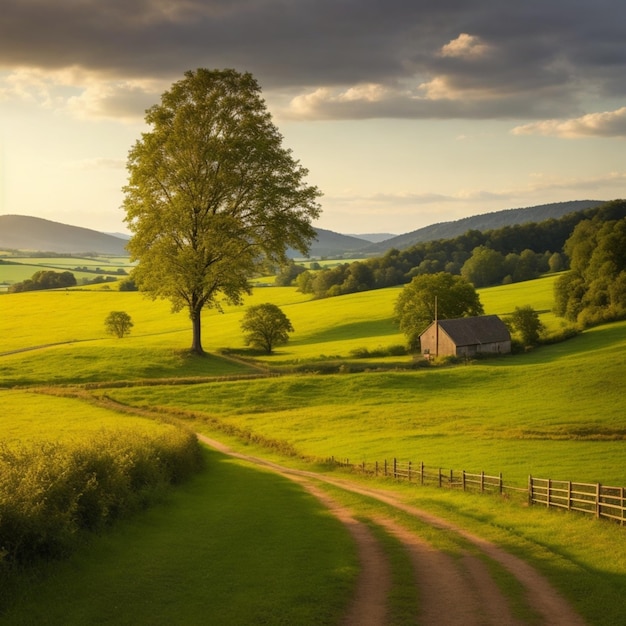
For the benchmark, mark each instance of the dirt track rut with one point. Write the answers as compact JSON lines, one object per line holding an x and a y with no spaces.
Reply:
{"x":452,"y":591}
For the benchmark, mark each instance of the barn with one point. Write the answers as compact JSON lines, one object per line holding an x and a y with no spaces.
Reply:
{"x":466,"y":336}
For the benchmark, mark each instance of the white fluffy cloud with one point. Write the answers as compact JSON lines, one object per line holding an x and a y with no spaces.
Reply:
{"x":605,"y":124}
{"x":465,"y":46}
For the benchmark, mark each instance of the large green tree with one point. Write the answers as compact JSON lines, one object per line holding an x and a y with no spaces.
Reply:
{"x":594,"y":290}
{"x":212,"y":194}
{"x":427,"y":296}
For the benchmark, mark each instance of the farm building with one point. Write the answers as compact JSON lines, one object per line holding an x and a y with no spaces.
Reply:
{"x":466,"y":336}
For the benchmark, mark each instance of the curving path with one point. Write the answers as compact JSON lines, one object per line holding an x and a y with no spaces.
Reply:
{"x":452,"y":591}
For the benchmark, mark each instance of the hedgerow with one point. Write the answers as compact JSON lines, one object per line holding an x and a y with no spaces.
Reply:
{"x":52,"y":492}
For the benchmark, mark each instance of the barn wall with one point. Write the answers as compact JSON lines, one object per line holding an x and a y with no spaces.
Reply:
{"x":499,"y":347}
{"x":429,"y":343}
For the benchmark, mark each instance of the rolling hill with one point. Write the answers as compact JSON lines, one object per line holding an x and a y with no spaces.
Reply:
{"x":482,"y":222}
{"x":19,"y":232}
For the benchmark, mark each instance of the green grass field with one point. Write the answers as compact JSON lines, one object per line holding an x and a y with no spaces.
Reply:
{"x":555,"y":412}
{"x":520,"y":415}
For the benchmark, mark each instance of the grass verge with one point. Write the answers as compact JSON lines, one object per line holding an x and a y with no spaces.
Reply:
{"x":234,"y":546}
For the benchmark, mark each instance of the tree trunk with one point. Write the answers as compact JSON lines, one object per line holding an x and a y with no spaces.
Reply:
{"x":196,"y":342}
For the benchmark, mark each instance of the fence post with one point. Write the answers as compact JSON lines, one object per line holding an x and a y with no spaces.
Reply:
{"x":409,"y":471}
{"x":395,"y":468}
{"x":621,"y":523}
{"x":463,"y":479}
{"x":548,"y":492}
{"x":482,"y":481}
{"x":598,"y":511}
{"x":376,"y":469}
{"x":530,"y":490}
{"x":385,"y":467}
{"x":422,"y":473}
{"x":569,"y":495}
{"x":500,"y":484}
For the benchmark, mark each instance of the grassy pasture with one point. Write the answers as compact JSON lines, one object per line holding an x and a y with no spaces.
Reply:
{"x":324,"y":329}
{"x":28,"y":416}
{"x":555,"y":413}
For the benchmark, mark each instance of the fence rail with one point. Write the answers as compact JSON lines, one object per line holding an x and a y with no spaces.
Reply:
{"x":595,"y":499}
{"x":590,"y":498}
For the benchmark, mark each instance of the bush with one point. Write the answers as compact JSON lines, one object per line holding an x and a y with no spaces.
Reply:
{"x":50,"y":492}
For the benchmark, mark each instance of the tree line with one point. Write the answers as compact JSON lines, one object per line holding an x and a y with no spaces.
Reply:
{"x":593,"y":291}
{"x":506,"y":255}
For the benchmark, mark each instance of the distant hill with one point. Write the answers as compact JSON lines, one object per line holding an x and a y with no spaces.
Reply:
{"x":482,"y":222}
{"x":332,"y":244}
{"x":21,"y":232}
{"x":373,"y":237}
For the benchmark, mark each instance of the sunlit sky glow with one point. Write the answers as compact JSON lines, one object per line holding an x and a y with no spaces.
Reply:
{"x":406,"y":113}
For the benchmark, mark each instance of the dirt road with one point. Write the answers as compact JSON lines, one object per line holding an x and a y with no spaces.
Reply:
{"x":452,"y":591}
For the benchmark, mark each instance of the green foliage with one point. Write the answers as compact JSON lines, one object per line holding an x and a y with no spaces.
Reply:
{"x":484,"y":267}
{"x":288,"y":274}
{"x":525,"y":321}
{"x":45,"y":279}
{"x":118,"y":323}
{"x":594,"y":290}
{"x":128,"y":284}
{"x":451,"y":296}
{"x":266,"y":326}
{"x":212,"y":194}
{"x":51,"y":491}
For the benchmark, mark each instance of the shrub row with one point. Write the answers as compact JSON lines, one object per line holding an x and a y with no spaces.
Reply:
{"x":51,"y":492}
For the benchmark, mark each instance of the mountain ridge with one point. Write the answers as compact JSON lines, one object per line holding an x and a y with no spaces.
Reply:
{"x":20,"y":232}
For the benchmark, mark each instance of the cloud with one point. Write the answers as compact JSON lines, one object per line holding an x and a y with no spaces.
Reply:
{"x":606,"y":124}
{"x":340,"y":59}
{"x":121,"y":100}
{"x":465,"y":46}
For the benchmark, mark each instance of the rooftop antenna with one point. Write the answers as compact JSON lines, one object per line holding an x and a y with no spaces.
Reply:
{"x":436,"y":330}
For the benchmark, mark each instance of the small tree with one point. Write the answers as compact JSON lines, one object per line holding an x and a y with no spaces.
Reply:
{"x":525,"y":320}
{"x":266,"y":326}
{"x":118,"y":323}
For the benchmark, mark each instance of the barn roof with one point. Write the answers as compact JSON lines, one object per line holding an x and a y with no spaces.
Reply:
{"x":470,"y":331}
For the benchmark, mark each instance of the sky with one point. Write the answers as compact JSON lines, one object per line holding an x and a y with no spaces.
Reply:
{"x":406,"y":113}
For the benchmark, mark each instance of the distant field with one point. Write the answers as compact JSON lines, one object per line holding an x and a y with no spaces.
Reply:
{"x":22,"y":268}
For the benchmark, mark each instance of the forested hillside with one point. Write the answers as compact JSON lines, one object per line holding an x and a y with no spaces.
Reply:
{"x":484,"y":222}
{"x":504,"y":255}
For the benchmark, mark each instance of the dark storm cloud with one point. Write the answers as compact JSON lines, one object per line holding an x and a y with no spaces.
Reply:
{"x":459,"y":58}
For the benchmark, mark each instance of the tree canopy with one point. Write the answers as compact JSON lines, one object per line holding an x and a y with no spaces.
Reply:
{"x":594,"y":290}
{"x":266,"y":326}
{"x":45,"y":279}
{"x":212,"y":194}
{"x":118,"y":323}
{"x":427,"y":296}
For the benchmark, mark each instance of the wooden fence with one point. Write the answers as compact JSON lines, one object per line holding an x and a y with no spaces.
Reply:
{"x":589,"y":498}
